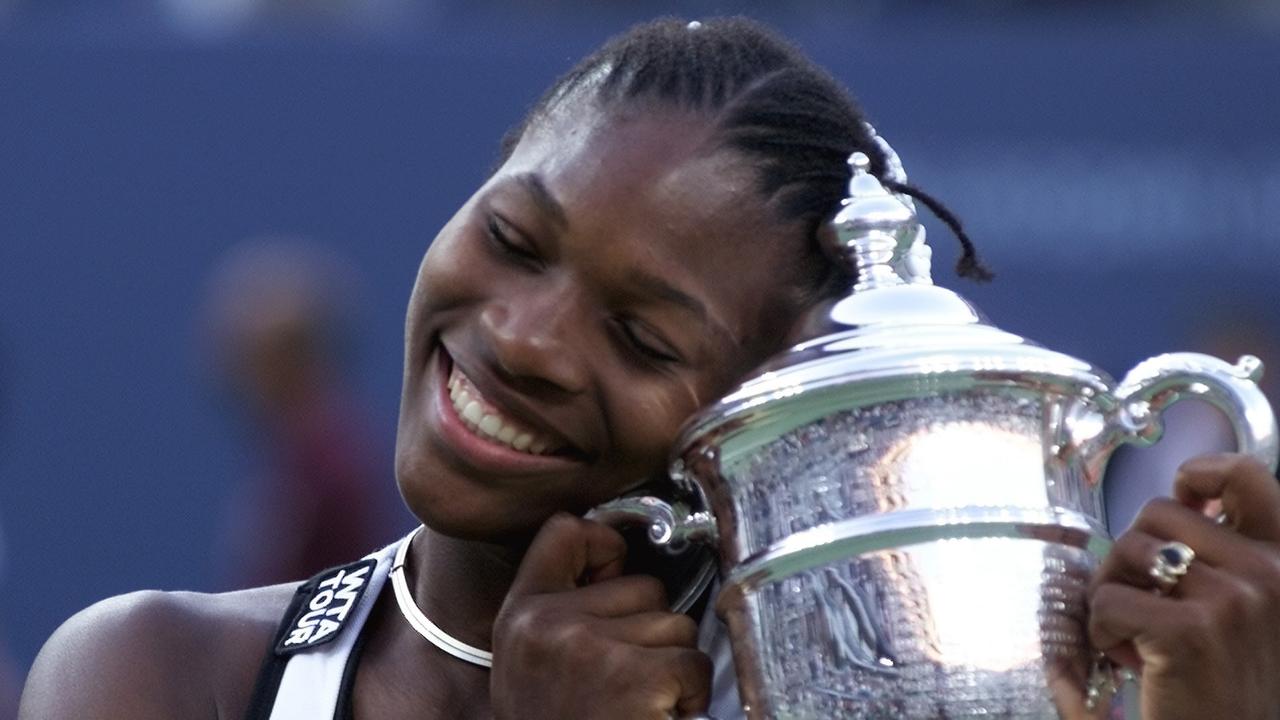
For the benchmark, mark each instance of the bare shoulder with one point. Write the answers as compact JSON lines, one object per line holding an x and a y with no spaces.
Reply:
{"x":154,"y":654}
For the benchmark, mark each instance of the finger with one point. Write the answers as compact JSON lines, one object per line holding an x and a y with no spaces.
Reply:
{"x":1249,"y":492}
{"x":1214,"y":544}
{"x":1132,"y":558}
{"x":1129,"y":561}
{"x":620,"y":596}
{"x":652,"y":630}
{"x":1125,"y":620}
{"x":686,"y":686}
{"x":566,"y":549}
{"x":1121,"y":615}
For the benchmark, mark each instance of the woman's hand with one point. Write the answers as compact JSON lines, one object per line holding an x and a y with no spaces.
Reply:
{"x":1210,"y":646}
{"x":576,"y":639}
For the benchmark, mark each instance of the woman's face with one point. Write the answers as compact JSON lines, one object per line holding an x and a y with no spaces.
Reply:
{"x":613,"y":276}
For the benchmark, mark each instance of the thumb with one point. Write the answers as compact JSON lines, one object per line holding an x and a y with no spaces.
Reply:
{"x":565,"y":551}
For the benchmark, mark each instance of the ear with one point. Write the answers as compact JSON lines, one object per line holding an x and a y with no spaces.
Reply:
{"x":824,"y":236}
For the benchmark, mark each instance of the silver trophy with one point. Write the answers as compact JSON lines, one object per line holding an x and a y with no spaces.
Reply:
{"x":907,"y":509}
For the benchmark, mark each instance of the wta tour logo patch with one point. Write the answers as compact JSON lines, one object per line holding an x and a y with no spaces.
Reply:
{"x":325,"y":607}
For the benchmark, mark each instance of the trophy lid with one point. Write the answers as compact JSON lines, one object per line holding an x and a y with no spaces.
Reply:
{"x":895,"y":336}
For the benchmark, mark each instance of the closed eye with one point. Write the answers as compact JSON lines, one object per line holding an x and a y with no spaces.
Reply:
{"x":505,"y":241}
{"x":644,"y":343}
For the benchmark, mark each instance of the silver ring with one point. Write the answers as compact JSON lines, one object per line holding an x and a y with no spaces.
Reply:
{"x":1171,"y":562}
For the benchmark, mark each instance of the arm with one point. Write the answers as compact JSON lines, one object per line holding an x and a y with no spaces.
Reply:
{"x":130,"y":657}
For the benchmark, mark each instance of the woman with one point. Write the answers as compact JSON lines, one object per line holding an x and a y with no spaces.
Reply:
{"x":647,"y":238}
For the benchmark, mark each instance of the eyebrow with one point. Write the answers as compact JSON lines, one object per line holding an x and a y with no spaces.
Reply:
{"x":542,"y":197}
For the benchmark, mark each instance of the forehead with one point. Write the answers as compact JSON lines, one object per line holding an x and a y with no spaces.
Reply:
{"x":652,"y":187}
{"x":642,"y":155}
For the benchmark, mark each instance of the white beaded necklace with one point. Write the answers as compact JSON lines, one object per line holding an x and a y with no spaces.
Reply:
{"x":418,"y":621}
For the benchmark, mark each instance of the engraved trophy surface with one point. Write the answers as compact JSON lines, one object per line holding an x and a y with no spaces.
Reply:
{"x":907,"y":509}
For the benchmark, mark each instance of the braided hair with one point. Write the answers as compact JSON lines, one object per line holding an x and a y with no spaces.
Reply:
{"x":765,"y":100}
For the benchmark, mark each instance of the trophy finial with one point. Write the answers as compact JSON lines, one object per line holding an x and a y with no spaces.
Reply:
{"x":875,"y":232}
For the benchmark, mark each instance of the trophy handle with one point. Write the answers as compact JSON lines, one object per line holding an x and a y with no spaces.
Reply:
{"x":1157,"y":383}
{"x":672,"y":528}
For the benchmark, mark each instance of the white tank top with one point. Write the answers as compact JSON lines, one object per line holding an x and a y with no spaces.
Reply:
{"x":310,"y":668}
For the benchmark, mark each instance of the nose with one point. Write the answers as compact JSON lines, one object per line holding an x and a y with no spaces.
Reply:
{"x":537,"y":340}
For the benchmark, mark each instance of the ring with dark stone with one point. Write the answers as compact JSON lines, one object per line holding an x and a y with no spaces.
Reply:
{"x":1171,"y":562}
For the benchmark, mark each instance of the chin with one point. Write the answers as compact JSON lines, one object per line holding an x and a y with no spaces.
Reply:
{"x":460,"y":507}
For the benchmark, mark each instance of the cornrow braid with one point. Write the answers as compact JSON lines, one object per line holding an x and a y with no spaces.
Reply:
{"x":766,"y":101}
{"x":969,"y":265}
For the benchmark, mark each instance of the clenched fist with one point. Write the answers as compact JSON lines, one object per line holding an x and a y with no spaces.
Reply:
{"x":577,"y":639}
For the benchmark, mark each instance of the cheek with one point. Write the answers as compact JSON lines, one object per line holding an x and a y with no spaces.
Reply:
{"x":647,"y":420}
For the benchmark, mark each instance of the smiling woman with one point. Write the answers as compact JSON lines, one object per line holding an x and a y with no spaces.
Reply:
{"x":649,"y":236}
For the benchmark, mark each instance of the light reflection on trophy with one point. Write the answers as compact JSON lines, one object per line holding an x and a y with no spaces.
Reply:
{"x":907,"y":509}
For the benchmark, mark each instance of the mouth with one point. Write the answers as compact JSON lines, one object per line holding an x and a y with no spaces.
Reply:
{"x":489,"y":435}
{"x":490,"y":423}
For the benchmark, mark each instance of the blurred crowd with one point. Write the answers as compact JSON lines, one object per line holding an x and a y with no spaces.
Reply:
{"x":279,"y":321}
{"x":213,"y":18}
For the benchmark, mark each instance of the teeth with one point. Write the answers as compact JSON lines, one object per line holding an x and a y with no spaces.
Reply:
{"x":488,"y":422}
{"x":472,"y":412}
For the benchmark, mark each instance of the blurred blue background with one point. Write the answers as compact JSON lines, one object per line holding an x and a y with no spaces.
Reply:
{"x":1118,"y":164}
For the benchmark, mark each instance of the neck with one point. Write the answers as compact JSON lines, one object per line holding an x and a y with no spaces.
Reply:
{"x":461,"y":584}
